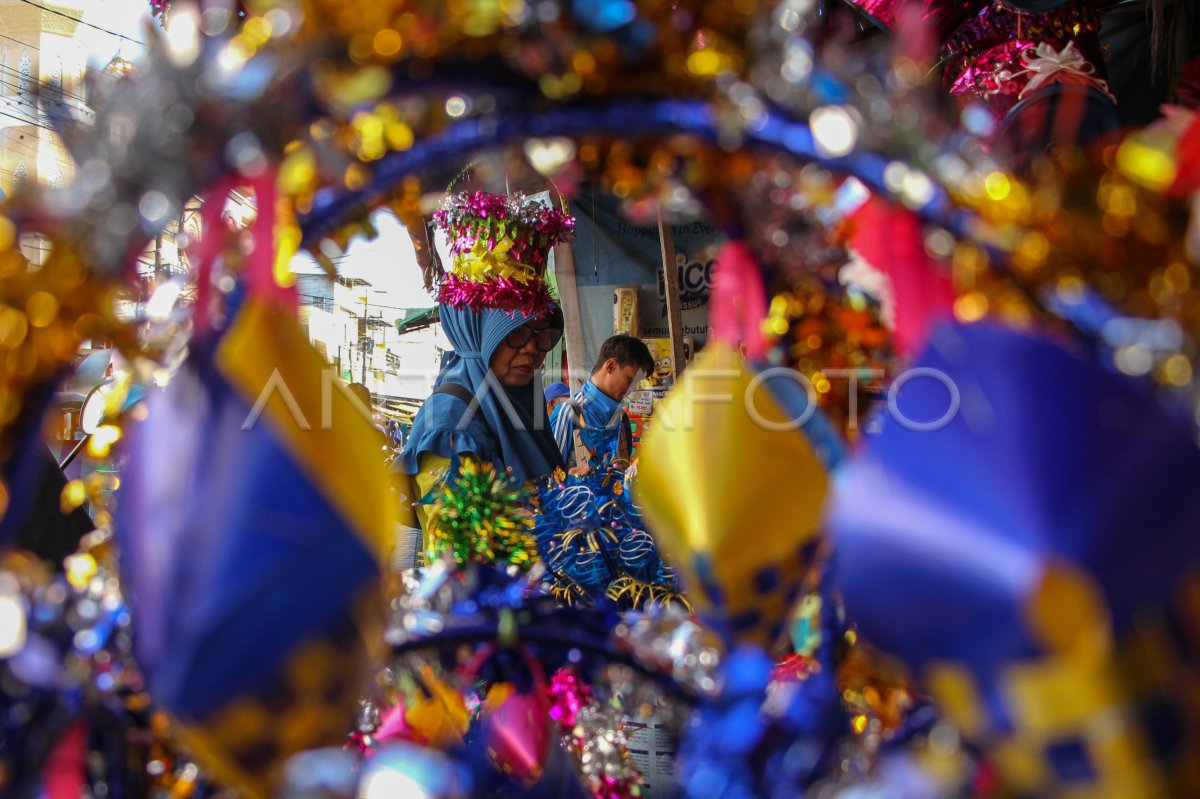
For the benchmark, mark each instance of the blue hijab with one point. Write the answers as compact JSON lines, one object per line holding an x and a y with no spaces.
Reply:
{"x":517,"y":437}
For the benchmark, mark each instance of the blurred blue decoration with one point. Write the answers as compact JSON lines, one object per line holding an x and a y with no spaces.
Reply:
{"x":799,"y":404}
{"x":734,"y":748}
{"x":604,"y":16}
{"x":221,"y":552}
{"x":1052,"y":512}
{"x":775,"y":130}
{"x":1049,"y":456}
{"x":238,"y":574}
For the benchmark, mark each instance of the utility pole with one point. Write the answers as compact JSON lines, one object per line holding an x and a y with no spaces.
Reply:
{"x":363,"y":343}
{"x":666,"y":237}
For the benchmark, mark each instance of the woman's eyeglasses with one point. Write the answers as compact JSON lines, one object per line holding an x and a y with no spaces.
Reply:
{"x":545,"y":341}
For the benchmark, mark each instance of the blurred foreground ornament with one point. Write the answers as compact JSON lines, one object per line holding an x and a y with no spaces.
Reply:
{"x":74,"y":716}
{"x":248,"y":582}
{"x":742,"y":544}
{"x":435,"y":714}
{"x":1019,"y":532}
{"x":891,"y":240}
{"x":46,"y":311}
{"x":403,"y":769}
{"x":744,"y":744}
{"x":594,"y":737}
{"x":516,"y":727}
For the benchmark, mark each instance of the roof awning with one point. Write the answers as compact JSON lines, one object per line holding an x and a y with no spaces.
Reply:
{"x":417,"y":319}
{"x":400,"y":408}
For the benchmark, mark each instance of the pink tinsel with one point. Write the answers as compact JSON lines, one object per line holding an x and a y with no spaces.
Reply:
{"x":509,"y":295}
{"x":568,"y":695}
{"x":533,"y":227}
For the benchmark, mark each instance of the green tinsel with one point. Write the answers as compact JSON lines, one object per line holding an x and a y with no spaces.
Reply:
{"x":480,"y":515}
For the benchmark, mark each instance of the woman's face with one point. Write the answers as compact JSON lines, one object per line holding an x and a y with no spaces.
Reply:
{"x":515,"y":366}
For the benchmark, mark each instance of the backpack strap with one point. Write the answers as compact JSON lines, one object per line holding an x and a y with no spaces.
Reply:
{"x":455,"y":390}
{"x":581,"y":455}
{"x":462,"y":393}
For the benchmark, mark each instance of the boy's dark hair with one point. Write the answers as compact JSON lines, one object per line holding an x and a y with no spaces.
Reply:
{"x":628,"y":351}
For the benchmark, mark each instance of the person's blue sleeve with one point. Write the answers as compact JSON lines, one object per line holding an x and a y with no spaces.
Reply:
{"x":562,"y":423}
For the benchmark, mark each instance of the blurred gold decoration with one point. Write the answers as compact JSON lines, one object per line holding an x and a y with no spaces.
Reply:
{"x":45,"y":312}
{"x":828,"y":337}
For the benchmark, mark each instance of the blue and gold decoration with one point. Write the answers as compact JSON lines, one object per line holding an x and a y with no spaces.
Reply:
{"x":595,"y":545}
{"x":254,"y":518}
{"x":1021,"y":531}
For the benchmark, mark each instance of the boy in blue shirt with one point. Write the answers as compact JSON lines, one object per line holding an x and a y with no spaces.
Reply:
{"x":594,"y":413}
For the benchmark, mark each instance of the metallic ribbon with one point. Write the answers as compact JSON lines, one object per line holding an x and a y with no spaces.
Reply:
{"x":487,"y":260}
{"x":1049,"y":66}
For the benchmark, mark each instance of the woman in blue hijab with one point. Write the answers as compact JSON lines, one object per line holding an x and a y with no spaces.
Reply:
{"x":498,"y":313}
{"x":487,"y":400}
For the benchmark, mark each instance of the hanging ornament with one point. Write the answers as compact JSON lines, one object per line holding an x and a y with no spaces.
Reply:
{"x":434,"y":714}
{"x":517,"y":730}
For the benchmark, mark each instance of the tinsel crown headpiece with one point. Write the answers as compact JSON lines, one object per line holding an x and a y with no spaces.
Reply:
{"x":499,"y":245}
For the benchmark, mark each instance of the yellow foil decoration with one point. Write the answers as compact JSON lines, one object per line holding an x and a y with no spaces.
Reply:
{"x":734,"y":500}
{"x":441,"y":718}
{"x":482,"y":263}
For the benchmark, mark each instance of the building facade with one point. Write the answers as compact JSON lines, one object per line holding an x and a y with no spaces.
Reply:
{"x":356,"y":337}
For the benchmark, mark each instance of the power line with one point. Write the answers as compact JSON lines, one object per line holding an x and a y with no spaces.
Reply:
{"x":63,"y":168}
{"x":369,"y":305}
{"x":31,"y":121}
{"x":59,"y":87}
{"x":49,"y":87}
{"x":24,"y":148}
{"x":32,"y":47}
{"x":36,"y":49}
{"x":29,"y":151}
{"x":36,"y":115}
{"x":83,"y":22}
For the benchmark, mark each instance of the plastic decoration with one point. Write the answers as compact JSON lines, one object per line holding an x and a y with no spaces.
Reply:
{"x":701,"y":518}
{"x":500,"y":245}
{"x":595,"y":545}
{"x":479,"y":515}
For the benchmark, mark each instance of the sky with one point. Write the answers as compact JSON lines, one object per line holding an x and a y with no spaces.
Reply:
{"x":387,"y":261}
{"x":125,"y":17}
